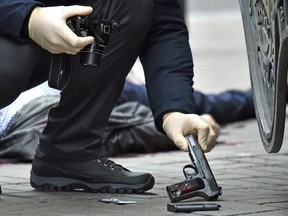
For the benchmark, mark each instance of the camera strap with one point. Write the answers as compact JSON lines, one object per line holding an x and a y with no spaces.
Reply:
{"x":60,"y":71}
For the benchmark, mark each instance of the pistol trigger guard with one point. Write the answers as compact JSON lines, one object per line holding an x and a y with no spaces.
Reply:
{"x":187,"y":174}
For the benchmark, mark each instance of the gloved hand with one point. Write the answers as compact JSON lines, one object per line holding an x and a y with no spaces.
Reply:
{"x":178,"y":125}
{"x":47,"y":27}
{"x":212,"y":122}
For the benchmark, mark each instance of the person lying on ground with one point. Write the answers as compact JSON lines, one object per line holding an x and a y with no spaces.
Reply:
{"x":130,"y":127}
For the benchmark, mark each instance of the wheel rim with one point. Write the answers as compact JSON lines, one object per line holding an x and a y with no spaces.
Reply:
{"x":268,"y":76}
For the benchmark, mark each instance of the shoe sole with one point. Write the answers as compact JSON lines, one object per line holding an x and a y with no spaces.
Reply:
{"x":67,"y":184}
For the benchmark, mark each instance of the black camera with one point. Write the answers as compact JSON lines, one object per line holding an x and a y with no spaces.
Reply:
{"x":101,"y":30}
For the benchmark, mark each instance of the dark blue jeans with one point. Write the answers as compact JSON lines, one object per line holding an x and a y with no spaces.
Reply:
{"x":228,"y":106}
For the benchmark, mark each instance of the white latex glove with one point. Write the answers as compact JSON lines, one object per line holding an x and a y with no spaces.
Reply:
{"x":47,"y":27}
{"x":178,"y":125}
{"x":212,"y":122}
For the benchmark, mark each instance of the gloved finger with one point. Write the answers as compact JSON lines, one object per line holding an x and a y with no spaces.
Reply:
{"x":70,"y":11}
{"x":73,"y":43}
{"x":181,"y":143}
{"x":212,"y":122}
{"x":206,"y":138}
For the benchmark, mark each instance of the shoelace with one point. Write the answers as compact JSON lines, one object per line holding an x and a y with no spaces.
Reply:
{"x":106,"y":162}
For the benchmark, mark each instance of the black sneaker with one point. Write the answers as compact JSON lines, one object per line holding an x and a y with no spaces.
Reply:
{"x":99,"y":175}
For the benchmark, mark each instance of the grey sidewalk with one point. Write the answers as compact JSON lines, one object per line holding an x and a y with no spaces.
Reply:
{"x":254,"y":182}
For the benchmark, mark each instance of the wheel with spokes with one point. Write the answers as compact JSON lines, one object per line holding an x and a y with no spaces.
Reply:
{"x":266,"y":33}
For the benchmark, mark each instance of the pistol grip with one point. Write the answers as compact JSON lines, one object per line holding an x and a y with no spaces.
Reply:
{"x":184,"y":190}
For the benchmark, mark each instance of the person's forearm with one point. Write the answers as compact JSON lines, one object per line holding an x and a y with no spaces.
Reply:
{"x":13,"y":15}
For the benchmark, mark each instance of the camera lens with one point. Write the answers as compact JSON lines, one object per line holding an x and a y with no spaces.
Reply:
{"x":91,"y":55}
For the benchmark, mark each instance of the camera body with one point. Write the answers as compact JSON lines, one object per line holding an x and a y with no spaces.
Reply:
{"x":101,"y":30}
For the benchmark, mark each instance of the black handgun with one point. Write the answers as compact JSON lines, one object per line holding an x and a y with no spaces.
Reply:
{"x":199,"y":181}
